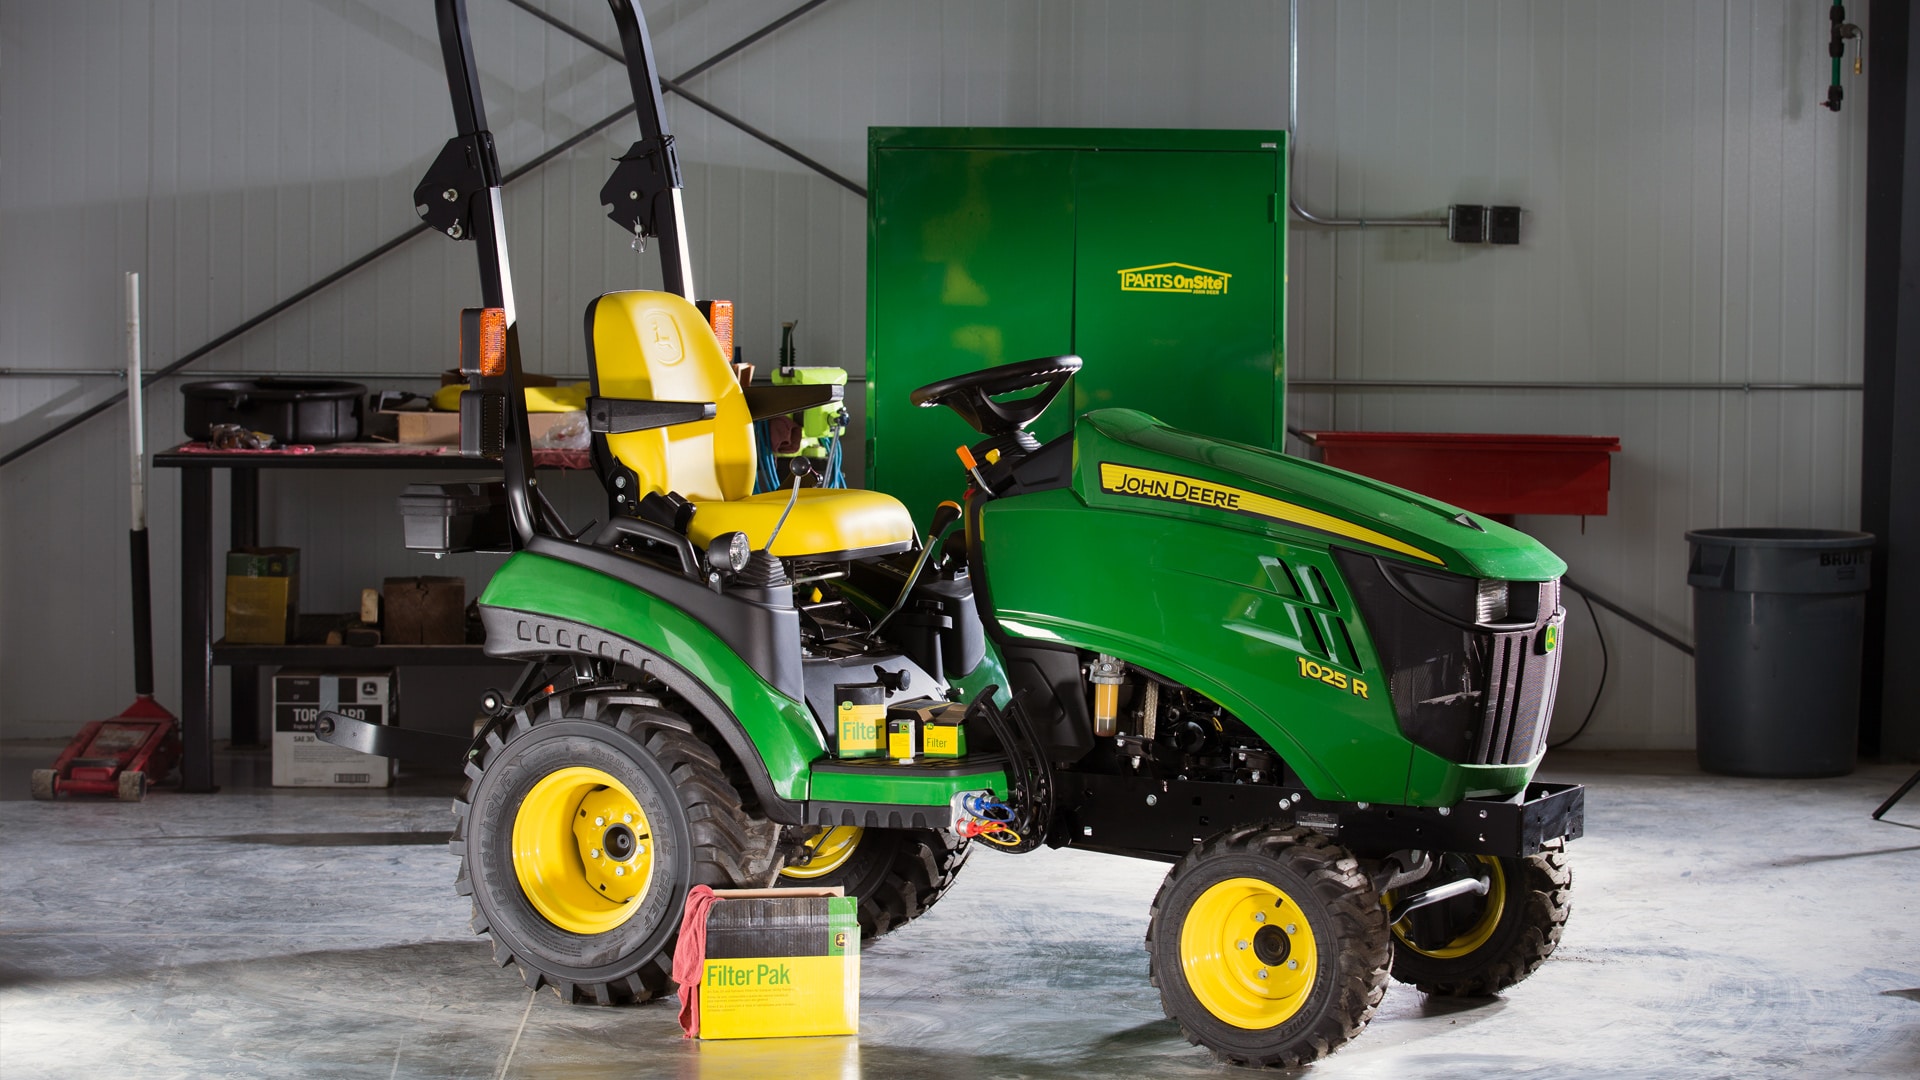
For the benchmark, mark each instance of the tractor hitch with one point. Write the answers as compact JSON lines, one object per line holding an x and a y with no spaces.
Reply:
{"x":1475,"y":885}
{"x":386,"y":740}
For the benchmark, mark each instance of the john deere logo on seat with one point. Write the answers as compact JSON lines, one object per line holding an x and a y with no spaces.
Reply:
{"x":1175,"y":278}
{"x":660,"y":338}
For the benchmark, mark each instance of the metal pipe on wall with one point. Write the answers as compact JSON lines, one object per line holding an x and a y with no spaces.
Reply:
{"x":1471,"y":384}
{"x":1293,"y":151}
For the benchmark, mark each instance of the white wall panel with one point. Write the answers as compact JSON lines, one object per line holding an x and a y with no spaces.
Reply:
{"x":1693,"y":215}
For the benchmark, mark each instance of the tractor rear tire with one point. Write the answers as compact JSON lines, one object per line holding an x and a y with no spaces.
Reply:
{"x":897,"y":874}
{"x":586,"y":819}
{"x":1269,"y":946}
{"x":1477,"y":946}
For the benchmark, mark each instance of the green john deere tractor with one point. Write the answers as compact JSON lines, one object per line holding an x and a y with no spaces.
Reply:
{"x":1320,"y":699}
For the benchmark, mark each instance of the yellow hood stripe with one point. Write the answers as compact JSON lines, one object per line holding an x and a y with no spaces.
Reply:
{"x":1170,"y":487}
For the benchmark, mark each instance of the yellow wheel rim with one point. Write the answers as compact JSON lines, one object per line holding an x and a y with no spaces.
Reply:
{"x":583,"y":850}
{"x":1474,"y":936}
{"x":1248,"y":953}
{"x":830,"y":851}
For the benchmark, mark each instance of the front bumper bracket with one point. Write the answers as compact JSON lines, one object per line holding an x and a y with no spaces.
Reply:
{"x":1165,"y":818}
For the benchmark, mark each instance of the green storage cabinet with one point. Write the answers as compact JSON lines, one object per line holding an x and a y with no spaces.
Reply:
{"x":1157,"y":256}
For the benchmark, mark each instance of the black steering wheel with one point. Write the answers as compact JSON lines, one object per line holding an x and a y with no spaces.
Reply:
{"x":971,"y":395}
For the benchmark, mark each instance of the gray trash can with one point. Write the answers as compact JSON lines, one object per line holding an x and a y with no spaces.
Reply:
{"x":1778,"y":616}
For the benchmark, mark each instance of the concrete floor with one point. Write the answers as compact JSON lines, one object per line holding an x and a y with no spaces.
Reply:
{"x":1721,"y":928}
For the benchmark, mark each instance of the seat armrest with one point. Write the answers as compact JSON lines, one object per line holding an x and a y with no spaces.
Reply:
{"x":765,"y":401}
{"x":613,"y":531}
{"x":618,"y":416}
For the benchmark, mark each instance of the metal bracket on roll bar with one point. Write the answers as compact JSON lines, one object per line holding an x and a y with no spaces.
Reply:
{"x":386,"y":740}
{"x":649,"y":169}
{"x":445,"y":195}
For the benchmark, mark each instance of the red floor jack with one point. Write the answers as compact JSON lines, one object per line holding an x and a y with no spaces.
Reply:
{"x":122,"y":755}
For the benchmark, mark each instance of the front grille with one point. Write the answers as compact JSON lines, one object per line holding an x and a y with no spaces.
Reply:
{"x":1472,"y":693}
{"x":1521,"y":681}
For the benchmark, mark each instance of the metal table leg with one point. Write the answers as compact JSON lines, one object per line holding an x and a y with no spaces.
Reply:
{"x":244,"y":679}
{"x":1896,"y":796}
{"x":196,"y":629}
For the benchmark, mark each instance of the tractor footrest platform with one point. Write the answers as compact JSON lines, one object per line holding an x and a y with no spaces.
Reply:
{"x":879,"y":816}
{"x":882,"y":793}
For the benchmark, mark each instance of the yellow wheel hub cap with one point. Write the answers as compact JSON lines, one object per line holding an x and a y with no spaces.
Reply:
{"x":583,"y":850}
{"x":1474,"y":936}
{"x":830,"y":851}
{"x":1248,"y":953}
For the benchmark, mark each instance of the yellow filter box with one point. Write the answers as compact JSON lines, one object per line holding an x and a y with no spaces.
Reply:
{"x":926,"y":728}
{"x":860,"y":721}
{"x":943,"y":740}
{"x":781,"y":962}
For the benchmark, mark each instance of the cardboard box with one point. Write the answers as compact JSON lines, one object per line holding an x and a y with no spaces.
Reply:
{"x":434,"y":428}
{"x":781,"y":962}
{"x":424,"y":611}
{"x":263,"y":595}
{"x":299,"y":758}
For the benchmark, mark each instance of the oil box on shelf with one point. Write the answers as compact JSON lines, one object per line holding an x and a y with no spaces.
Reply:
{"x":263,"y":595}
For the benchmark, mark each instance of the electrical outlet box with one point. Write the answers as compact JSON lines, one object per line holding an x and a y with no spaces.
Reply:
{"x":1467,"y":224}
{"x":1503,"y":224}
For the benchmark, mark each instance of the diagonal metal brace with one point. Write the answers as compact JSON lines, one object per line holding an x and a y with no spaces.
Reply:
{"x":444,"y":196}
{"x":386,"y":740}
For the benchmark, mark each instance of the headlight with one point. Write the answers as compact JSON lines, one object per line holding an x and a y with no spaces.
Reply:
{"x":1490,"y":605}
{"x":728,"y":553}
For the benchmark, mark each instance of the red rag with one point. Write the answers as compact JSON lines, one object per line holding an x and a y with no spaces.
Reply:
{"x":690,"y":956}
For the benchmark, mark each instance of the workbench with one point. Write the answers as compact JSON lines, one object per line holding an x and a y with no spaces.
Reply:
{"x":200,"y":652}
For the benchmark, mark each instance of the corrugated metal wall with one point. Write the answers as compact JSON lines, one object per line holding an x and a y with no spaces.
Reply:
{"x":1694,"y":216}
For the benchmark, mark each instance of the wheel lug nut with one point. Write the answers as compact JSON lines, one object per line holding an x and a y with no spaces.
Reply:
{"x":1293,"y":965}
{"x":1263,"y":973}
{"x":599,"y":821}
{"x":594,"y":854}
{"x":628,"y":818}
{"x":1292,"y":927}
{"x":639,"y":849}
{"x":1259,"y":916}
{"x":1239,"y":944}
{"x":619,"y":871}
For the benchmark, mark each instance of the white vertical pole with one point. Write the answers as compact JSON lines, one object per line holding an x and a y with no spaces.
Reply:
{"x":136,"y":405}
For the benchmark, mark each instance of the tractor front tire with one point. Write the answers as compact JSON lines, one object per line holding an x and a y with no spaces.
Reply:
{"x":1269,"y":946}
{"x":1477,"y":946}
{"x":897,"y":874}
{"x":586,"y":819}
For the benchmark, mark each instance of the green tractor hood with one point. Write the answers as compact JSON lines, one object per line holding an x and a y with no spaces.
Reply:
{"x":1127,"y":457}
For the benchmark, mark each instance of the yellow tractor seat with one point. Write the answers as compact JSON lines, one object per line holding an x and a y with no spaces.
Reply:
{"x":656,"y":346}
{"x":838,"y":520}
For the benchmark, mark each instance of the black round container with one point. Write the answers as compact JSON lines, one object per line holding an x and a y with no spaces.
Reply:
{"x":1778,"y":617}
{"x":292,"y":410}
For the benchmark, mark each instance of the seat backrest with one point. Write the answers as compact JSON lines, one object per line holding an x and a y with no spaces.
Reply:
{"x":655,"y":346}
